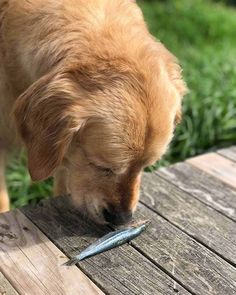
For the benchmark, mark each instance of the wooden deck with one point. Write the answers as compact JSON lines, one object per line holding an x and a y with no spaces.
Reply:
{"x":189,"y":248}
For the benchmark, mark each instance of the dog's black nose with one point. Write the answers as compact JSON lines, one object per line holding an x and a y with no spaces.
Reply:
{"x":117,"y":218}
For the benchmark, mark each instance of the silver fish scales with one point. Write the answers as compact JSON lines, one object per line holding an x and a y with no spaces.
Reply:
{"x":110,"y":241}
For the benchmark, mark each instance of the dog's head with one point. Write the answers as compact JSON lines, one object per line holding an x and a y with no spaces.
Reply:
{"x":104,"y":122}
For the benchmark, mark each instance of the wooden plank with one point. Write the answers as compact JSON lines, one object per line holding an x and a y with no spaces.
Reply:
{"x":190,"y":215}
{"x":217,"y":166}
{"x":5,"y":287}
{"x":200,"y":270}
{"x":202,"y":186}
{"x":33,"y":264}
{"x":120,"y":271}
{"x":181,"y":257}
{"x":229,"y":153}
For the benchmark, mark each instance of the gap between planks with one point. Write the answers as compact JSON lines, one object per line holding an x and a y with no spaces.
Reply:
{"x":209,"y":190}
{"x":32,"y":263}
{"x":204,"y":224}
{"x":229,"y":153}
{"x":124,"y":268}
{"x":168,"y":248}
{"x":216,"y":165}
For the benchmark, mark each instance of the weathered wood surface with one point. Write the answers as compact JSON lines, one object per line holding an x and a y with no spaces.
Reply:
{"x":181,"y":257}
{"x":217,"y":166}
{"x":199,"y":221}
{"x":196,"y":267}
{"x":203,"y":186}
{"x":120,"y":271}
{"x":229,"y":153}
{"x":32,"y":263}
{"x":5,"y":287}
{"x":189,"y":248}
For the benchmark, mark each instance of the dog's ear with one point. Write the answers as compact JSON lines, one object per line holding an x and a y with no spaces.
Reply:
{"x":47,"y":117}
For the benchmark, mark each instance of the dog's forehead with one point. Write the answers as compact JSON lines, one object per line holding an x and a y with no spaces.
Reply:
{"x":122,"y":149}
{"x":109,"y":154}
{"x":131,"y":133}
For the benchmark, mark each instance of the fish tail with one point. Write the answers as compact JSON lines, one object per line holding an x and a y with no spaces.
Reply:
{"x":72,"y":261}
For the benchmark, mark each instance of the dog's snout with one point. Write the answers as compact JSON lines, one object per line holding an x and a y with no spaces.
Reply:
{"x":117,"y":218}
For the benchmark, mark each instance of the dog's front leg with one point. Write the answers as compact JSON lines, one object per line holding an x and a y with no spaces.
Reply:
{"x":4,"y":198}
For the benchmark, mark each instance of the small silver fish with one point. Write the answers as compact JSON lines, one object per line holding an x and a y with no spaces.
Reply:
{"x":110,"y":241}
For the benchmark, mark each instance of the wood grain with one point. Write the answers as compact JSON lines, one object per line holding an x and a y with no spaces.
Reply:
{"x":5,"y":287}
{"x":33,"y":264}
{"x":190,"y":215}
{"x":217,"y":166}
{"x":203,"y":186}
{"x":120,"y":271}
{"x":180,"y":256}
{"x":229,"y":153}
{"x":198,"y":269}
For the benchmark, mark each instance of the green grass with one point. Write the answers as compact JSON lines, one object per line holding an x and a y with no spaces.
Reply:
{"x":202,"y":35}
{"x":21,"y":189}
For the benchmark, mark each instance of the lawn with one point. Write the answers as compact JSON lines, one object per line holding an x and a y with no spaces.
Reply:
{"x":201,"y":34}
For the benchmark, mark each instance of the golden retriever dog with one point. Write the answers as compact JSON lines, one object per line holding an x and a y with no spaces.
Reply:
{"x":92,"y":96}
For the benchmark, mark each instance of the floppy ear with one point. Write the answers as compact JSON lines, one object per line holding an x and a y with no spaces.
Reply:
{"x":45,"y":117}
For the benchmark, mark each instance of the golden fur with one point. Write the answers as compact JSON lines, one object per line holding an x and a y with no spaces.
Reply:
{"x":94,"y":97}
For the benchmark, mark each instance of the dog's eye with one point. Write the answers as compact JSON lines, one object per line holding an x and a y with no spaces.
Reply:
{"x":106,"y":171}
